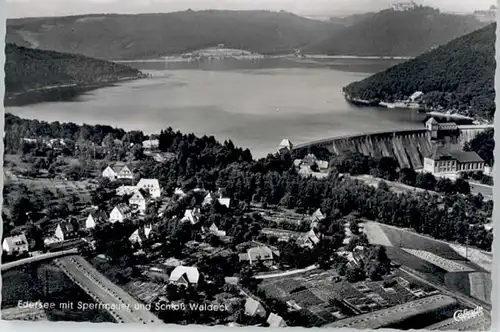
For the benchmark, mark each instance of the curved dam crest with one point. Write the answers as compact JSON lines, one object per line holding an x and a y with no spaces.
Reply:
{"x":408,"y":147}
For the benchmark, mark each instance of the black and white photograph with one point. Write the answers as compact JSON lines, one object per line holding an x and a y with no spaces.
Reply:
{"x":249,"y":163}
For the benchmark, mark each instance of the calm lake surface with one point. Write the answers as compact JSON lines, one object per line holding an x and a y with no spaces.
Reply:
{"x":253,"y":103}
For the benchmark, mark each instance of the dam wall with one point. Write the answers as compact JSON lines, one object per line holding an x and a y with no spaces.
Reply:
{"x":408,"y":147}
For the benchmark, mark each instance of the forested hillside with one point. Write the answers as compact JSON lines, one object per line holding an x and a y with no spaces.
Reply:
{"x":396,"y":33}
{"x":118,"y":37}
{"x":27,"y":70}
{"x":457,"y":76}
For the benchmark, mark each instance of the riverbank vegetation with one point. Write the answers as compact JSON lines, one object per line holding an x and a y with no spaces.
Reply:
{"x":204,"y":162}
{"x":457,"y":76}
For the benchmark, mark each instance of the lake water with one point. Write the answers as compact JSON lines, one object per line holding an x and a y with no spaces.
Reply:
{"x":253,"y":103}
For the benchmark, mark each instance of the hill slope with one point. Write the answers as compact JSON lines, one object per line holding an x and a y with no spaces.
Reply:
{"x":459,"y":75}
{"x":396,"y":33}
{"x":28,"y":70}
{"x":119,"y":37}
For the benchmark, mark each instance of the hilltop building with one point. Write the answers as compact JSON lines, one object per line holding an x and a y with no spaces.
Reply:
{"x":404,"y":6}
{"x":447,"y":162}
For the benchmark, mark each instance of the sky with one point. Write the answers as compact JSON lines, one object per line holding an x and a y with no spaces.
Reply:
{"x":30,"y":8}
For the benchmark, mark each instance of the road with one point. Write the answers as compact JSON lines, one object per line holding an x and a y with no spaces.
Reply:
{"x":51,"y":255}
{"x":485,"y":190}
{"x":124,"y":308}
{"x":286,"y":273}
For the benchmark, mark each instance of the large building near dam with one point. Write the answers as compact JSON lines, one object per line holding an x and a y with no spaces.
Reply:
{"x":446,"y":162}
{"x":408,"y":147}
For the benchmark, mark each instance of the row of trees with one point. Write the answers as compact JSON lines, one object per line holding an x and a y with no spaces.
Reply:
{"x":355,"y":163}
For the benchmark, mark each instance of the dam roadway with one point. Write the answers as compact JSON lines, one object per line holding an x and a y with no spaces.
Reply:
{"x":118,"y":303}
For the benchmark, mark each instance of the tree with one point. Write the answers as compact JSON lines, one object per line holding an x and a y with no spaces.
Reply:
{"x":462,"y":186}
{"x":425,"y":181}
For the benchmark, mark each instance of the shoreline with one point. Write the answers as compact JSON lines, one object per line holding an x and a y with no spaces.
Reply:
{"x":179,"y":58}
{"x":410,"y":106}
{"x":60,"y":92}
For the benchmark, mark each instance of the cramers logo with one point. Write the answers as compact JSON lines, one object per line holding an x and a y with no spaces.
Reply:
{"x":463,"y":315}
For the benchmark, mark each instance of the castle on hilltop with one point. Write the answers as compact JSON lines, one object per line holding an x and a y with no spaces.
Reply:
{"x":404,"y":6}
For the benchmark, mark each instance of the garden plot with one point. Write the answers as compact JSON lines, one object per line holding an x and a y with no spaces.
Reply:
{"x":446,"y":264}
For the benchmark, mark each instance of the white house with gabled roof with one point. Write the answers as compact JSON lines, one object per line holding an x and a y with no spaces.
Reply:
{"x":118,"y":170}
{"x":120,"y":213}
{"x":150,"y":185}
{"x":138,"y":201}
{"x":185,"y":275}
{"x":15,"y":244}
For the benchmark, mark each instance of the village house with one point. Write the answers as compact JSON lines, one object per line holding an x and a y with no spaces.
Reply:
{"x":120,"y":213}
{"x":16,"y":244}
{"x":192,"y":215}
{"x":125,"y":190}
{"x":312,"y":162}
{"x":173,"y":262}
{"x":141,"y":234}
{"x":138,"y":201}
{"x":275,"y":321}
{"x":216,"y":231}
{"x":65,"y":231}
{"x":151,"y":144}
{"x":255,"y":254}
{"x":224,"y":201}
{"x":185,"y":275}
{"x":94,"y":218}
{"x":117,"y":171}
{"x":309,"y":239}
{"x":179,"y":192}
{"x":254,"y":308}
{"x":209,"y":198}
{"x":444,"y":161}
{"x":152,"y":186}
{"x":317,"y":217}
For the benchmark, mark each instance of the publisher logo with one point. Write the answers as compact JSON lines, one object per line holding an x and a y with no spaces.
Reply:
{"x":466,"y":314}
